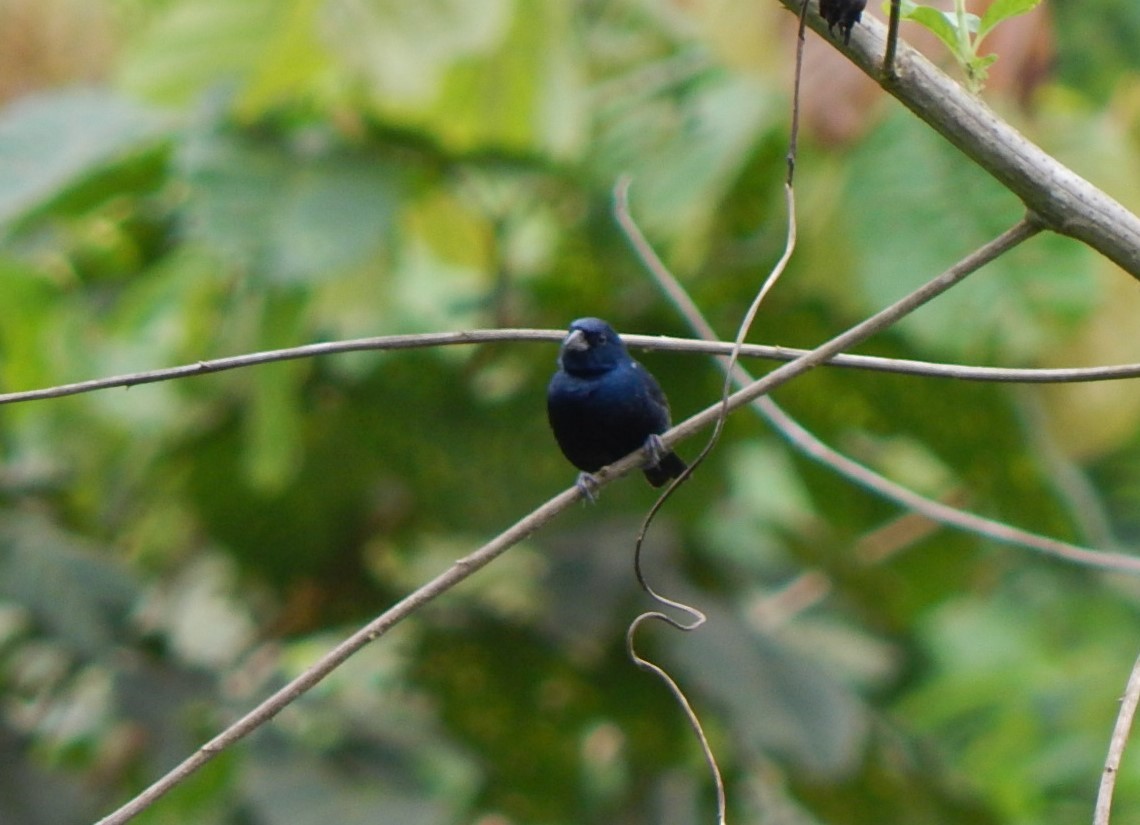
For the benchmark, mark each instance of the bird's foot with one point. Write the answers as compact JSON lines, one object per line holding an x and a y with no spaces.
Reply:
{"x":588,"y":486}
{"x":656,"y":449}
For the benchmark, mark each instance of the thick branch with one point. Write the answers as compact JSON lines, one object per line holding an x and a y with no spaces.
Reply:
{"x":1064,"y":201}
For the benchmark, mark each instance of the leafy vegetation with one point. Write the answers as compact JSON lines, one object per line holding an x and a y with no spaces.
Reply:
{"x":962,"y":33}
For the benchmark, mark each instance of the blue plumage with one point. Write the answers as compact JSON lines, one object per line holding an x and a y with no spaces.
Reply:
{"x":603,"y":405}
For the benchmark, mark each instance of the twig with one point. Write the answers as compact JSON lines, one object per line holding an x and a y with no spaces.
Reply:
{"x":943,"y":513}
{"x":388,"y":342}
{"x":794,"y":132}
{"x":889,"y":73}
{"x":1116,"y":746}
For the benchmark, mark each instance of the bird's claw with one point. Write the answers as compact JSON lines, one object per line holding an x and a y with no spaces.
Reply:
{"x":656,"y":449}
{"x":588,"y":486}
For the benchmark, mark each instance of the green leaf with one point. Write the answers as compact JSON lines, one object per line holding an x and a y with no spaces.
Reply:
{"x":295,"y":59}
{"x":777,"y":702}
{"x":492,"y":76}
{"x":53,"y":141}
{"x":71,"y":590}
{"x":944,"y":25}
{"x":985,"y":662}
{"x":1001,"y":10}
{"x":403,"y":52}
{"x":685,"y":150}
{"x":977,"y":72}
{"x":195,"y":44}
{"x":292,"y":222}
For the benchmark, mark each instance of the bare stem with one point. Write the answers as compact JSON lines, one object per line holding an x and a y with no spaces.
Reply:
{"x":1120,"y":735}
{"x":892,"y":41}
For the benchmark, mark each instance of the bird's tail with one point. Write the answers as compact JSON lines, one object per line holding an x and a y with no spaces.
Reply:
{"x":670,"y":466}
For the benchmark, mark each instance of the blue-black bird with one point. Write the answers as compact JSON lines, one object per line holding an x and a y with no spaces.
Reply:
{"x":603,"y":405}
{"x":842,"y":13}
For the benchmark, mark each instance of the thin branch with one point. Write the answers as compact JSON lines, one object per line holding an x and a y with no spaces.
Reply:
{"x":873,"y":363}
{"x":388,"y":342}
{"x":662,"y":343}
{"x":1120,"y":735}
{"x":794,"y":132}
{"x":944,"y":513}
{"x":621,"y":197}
{"x":1064,"y":201}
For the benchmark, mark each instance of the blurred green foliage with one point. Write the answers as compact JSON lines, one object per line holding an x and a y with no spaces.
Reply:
{"x":257,"y":175}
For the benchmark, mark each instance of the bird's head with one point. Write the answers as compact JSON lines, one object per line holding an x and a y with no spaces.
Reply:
{"x":591,"y":347}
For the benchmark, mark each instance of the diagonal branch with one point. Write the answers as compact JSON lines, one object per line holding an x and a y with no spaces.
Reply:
{"x":270,"y":707}
{"x":1063,"y":200}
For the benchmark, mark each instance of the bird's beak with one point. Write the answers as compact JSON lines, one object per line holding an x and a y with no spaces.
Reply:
{"x":576,"y":341}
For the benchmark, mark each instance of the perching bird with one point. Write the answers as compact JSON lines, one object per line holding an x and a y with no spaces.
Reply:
{"x":842,"y":13}
{"x":603,"y":405}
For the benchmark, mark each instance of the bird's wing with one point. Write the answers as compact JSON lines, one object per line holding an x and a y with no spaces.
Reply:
{"x":651,"y":385}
